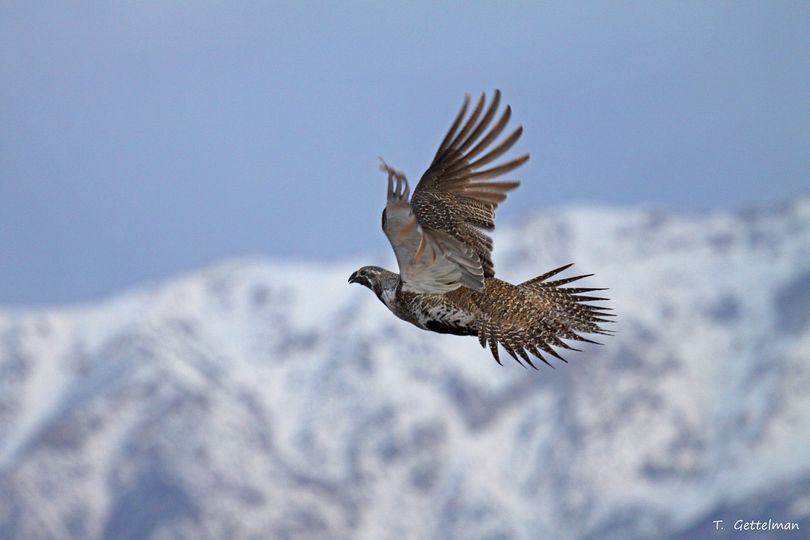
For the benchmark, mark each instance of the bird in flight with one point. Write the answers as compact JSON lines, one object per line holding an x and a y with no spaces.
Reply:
{"x":446,"y":281}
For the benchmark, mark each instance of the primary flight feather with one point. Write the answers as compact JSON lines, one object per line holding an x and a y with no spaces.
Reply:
{"x":446,"y":281}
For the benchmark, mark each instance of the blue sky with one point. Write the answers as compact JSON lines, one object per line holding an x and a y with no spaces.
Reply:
{"x":139,"y":140}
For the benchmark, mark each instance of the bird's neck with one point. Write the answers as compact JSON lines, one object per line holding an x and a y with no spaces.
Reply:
{"x":388,"y":292}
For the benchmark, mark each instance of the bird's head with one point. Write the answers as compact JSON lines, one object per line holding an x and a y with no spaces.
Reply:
{"x":375,"y":278}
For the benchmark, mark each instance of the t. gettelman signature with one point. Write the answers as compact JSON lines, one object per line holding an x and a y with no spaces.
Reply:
{"x":757,"y":525}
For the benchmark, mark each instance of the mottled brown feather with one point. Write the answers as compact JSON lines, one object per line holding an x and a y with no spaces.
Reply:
{"x":526,"y":319}
{"x":454,"y":195}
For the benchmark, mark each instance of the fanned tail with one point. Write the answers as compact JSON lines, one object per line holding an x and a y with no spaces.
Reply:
{"x":542,"y":314}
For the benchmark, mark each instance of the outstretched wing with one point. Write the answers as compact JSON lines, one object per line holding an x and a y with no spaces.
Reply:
{"x":430,"y":261}
{"x":456,"y":196}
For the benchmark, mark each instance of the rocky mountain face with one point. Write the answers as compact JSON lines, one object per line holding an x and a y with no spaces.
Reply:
{"x":264,"y":400}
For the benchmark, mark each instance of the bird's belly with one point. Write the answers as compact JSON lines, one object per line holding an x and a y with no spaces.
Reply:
{"x":446,"y":319}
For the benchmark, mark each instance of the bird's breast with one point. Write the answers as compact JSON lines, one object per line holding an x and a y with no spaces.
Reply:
{"x":446,"y":318}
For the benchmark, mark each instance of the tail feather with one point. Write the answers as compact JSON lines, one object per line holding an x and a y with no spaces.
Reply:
{"x":539,"y":314}
{"x":488,"y":333}
{"x":548,"y":274}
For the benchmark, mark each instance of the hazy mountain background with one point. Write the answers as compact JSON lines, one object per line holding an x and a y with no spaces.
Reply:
{"x":258,"y":399}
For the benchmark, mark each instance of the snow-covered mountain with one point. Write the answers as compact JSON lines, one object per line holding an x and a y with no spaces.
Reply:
{"x":257,"y":399}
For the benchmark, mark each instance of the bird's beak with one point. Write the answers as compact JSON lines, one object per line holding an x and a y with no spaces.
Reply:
{"x":353,"y":278}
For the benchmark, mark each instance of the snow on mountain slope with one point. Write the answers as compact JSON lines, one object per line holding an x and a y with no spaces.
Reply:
{"x":256,"y":399}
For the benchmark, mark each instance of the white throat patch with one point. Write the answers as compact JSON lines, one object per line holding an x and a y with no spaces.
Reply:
{"x":388,"y":296}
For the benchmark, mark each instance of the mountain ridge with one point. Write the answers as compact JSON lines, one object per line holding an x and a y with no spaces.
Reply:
{"x":241,"y":400}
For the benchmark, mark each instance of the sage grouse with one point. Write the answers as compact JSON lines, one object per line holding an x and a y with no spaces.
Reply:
{"x":447,"y":281}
